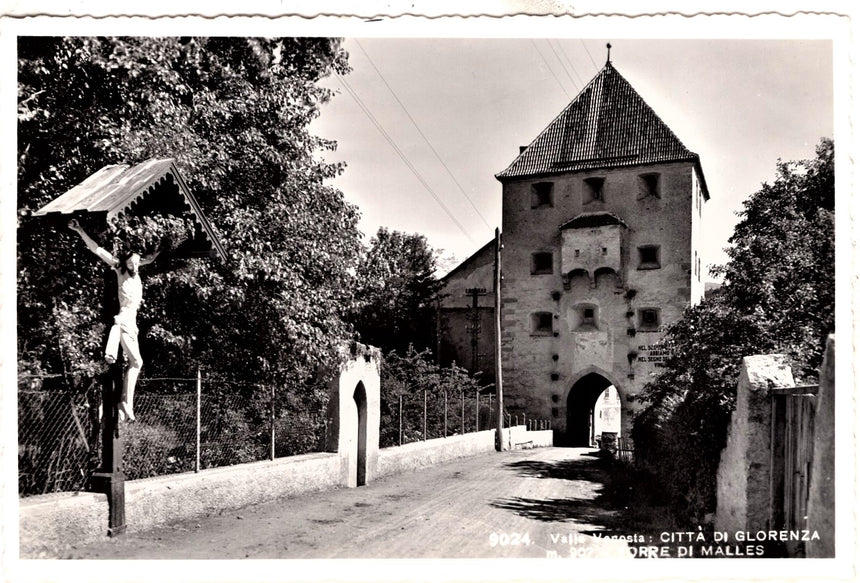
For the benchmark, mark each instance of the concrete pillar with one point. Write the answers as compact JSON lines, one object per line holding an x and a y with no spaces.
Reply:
{"x":743,"y":479}
{"x":822,"y":505}
{"x":353,"y":415}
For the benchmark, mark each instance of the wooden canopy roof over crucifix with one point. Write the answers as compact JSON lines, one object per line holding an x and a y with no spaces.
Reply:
{"x":154,"y":184}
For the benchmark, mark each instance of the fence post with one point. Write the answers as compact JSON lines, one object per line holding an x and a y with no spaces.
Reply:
{"x":272,"y":425}
{"x":400,"y":419}
{"x":477,"y":410}
{"x":425,"y":414}
{"x":462,"y":412}
{"x":445,"y":423}
{"x":197,"y":432}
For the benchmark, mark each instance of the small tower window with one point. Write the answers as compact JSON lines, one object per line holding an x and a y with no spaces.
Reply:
{"x":541,"y":263}
{"x":541,"y":195}
{"x":649,"y":186}
{"x":649,"y":257}
{"x":542,"y":324}
{"x":649,"y":319}
{"x":586,"y":317}
{"x":592,"y":189}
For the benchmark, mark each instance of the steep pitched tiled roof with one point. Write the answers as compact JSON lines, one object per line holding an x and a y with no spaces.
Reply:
{"x":607,"y":125}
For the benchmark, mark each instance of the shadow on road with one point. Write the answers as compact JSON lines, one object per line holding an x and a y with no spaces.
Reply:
{"x":607,"y":497}
{"x":593,"y":505}
{"x":588,"y":512}
{"x":574,"y":469}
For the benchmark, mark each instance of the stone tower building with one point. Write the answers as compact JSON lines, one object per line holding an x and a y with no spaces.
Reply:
{"x":601,"y":216}
{"x":601,"y":222}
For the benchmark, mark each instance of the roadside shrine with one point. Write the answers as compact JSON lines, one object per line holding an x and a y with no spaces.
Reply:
{"x":153,"y":187}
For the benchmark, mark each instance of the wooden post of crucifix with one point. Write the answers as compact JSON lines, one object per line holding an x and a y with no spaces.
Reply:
{"x":149,"y":188}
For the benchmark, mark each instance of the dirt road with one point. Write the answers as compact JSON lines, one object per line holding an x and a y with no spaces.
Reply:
{"x":535,"y":503}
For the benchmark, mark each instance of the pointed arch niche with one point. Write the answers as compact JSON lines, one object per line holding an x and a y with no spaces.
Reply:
{"x":353,"y":415}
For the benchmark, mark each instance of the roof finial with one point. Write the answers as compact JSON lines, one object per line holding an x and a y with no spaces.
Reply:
{"x":608,"y":50}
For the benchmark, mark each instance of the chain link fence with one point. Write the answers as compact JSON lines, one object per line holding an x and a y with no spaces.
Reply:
{"x":411,"y":417}
{"x":190,"y":424}
{"x":55,"y":439}
{"x":183,"y":424}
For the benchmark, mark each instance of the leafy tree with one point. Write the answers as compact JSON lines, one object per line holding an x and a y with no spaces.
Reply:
{"x":396,"y":292}
{"x":404,"y":381}
{"x":781,"y":269}
{"x":233,"y":113}
{"x":778,"y":296}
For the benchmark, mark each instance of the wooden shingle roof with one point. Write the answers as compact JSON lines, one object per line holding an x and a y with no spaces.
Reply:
{"x":118,"y":189}
{"x":607,"y":125}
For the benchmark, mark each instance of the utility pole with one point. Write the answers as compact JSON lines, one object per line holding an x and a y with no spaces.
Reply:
{"x":497,"y":293}
{"x":475,"y":327}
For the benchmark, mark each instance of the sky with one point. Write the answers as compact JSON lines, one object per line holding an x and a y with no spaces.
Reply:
{"x":457,"y":111}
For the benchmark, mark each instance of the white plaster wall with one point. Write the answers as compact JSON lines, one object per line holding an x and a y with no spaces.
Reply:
{"x":743,"y":478}
{"x":53,"y":521}
{"x":363,"y":367}
{"x":822,"y":487}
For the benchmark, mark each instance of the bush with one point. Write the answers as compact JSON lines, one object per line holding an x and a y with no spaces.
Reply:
{"x":408,"y":377}
{"x":153,"y":450}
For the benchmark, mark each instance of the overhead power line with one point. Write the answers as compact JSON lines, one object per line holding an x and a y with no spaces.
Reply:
{"x":400,"y":153}
{"x":557,"y":80}
{"x":426,"y":140}
{"x":561,"y":62}
{"x":589,"y":54}
{"x":569,"y":63}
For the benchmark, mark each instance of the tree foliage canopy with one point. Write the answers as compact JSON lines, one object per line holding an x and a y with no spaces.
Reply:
{"x":396,"y":288}
{"x":778,"y":297}
{"x":233,"y":113}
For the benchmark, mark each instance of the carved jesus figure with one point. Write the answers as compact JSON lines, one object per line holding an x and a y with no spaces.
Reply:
{"x":124,"y":329}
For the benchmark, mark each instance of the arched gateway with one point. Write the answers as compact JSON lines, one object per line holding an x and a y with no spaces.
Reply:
{"x":583,"y":409}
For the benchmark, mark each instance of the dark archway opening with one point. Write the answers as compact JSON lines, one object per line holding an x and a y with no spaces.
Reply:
{"x":580,"y":409}
{"x":360,"y":398}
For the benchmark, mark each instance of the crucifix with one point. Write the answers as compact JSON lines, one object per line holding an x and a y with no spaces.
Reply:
{"x":123,"y":331}
{"x":153,"y":187}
